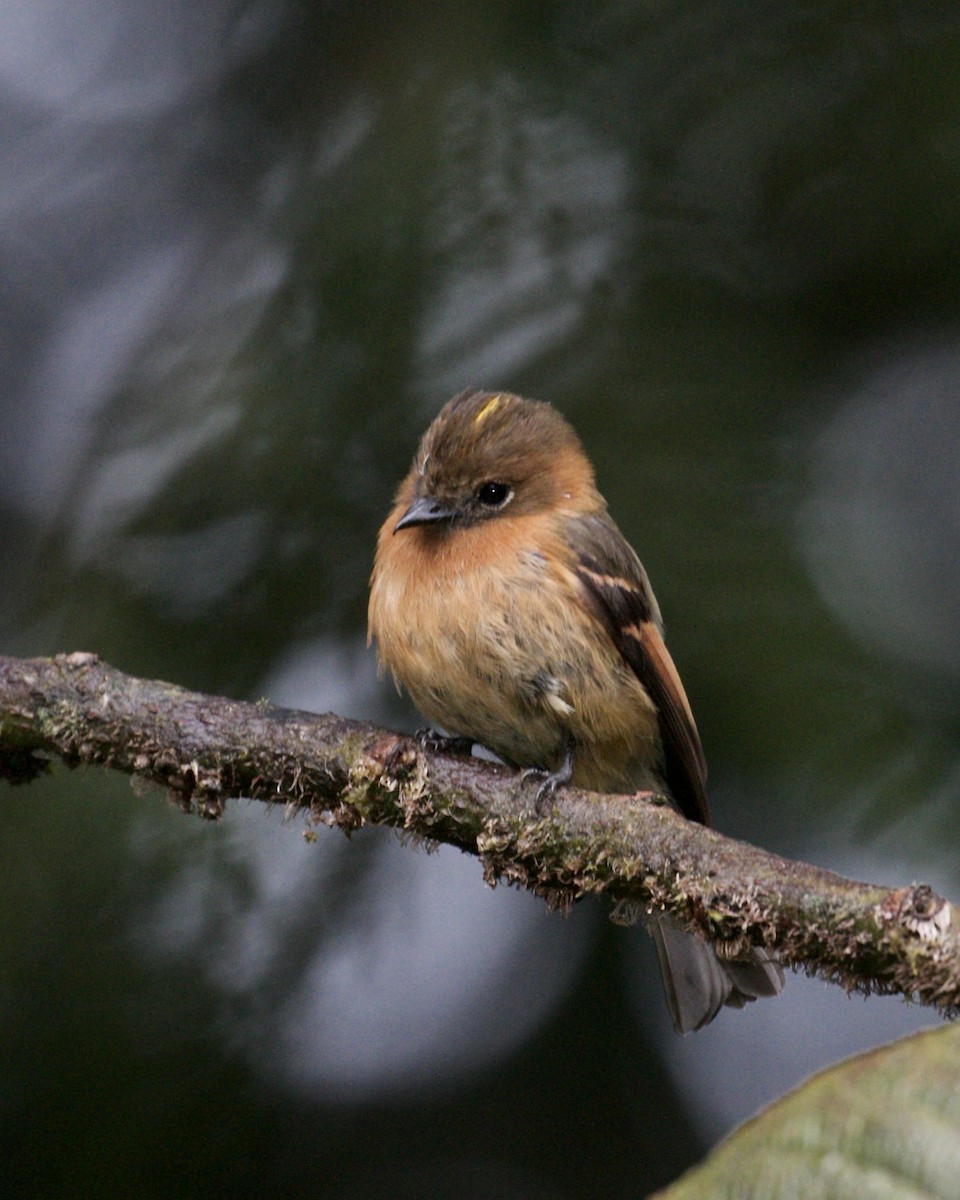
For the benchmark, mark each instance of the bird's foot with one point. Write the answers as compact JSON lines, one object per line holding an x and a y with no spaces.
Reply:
{"x":442,"y":743}
{"x":550,"y":780}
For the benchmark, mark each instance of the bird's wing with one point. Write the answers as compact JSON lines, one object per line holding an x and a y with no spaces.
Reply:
{"x":618,"y":589}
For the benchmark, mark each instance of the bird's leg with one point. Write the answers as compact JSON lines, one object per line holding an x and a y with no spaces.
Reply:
{"x":442,"y":743}
{"x":551,"y":780}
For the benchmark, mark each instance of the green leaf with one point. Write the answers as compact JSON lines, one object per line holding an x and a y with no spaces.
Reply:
{"x":882,"y":1126}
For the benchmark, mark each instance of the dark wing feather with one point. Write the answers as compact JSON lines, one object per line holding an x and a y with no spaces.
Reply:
{"x":620,"y":592}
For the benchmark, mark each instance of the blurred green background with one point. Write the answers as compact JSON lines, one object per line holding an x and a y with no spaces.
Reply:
{"x":248,"y":250}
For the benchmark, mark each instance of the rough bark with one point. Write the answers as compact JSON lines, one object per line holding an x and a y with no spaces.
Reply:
{"x":76,"y":709}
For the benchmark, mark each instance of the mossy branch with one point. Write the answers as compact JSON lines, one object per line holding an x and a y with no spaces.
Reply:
{"x":77,"y":709}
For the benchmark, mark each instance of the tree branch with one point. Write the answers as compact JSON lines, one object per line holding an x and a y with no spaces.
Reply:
{"x":642,"y":854}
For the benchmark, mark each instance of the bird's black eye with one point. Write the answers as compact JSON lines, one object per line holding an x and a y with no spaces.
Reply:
{"x":494,"y":495}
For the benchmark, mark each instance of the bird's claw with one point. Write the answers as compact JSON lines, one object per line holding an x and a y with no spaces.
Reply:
{"x":550,"y":780}
{"x":548,"y":785}
{"x":442,"y":743}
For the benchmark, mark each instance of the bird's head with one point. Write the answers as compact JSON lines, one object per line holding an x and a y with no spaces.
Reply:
{"x":489,"y":454}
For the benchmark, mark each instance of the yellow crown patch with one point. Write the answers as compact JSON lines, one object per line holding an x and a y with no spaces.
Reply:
{"x":491,"y":405}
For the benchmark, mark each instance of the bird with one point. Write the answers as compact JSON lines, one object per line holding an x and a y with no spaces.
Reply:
{"x":517,"y":616}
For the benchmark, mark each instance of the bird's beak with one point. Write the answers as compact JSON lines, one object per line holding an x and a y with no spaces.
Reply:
{"x":424,"y":511}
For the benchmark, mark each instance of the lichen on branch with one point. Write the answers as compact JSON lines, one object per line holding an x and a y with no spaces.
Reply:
{"x":76,"y":709}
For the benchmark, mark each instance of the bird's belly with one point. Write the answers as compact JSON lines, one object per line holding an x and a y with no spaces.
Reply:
{"x":524,"y":670}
